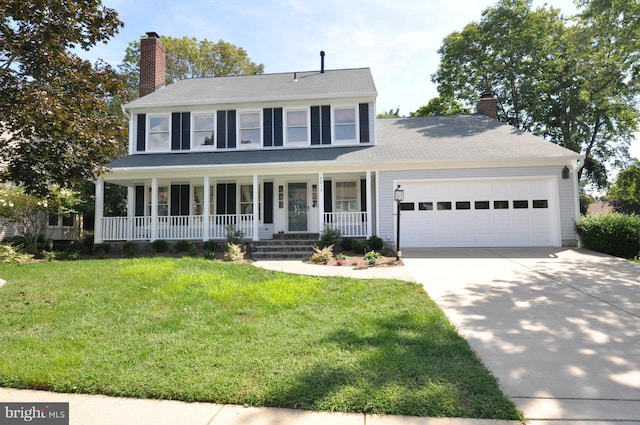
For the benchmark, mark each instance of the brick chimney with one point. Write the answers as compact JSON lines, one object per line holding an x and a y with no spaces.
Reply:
{"x":152,"y":64}
{"x":488,"y":105}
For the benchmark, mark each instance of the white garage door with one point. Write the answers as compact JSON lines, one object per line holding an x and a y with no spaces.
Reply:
{"x":469,"y":213}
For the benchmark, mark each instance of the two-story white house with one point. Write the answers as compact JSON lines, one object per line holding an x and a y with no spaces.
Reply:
{"x":301,"y":152}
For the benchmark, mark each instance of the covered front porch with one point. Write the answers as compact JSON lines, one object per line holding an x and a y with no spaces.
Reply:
{"x":210,"y":207}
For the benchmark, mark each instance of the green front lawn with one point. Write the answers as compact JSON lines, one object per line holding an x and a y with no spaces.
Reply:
{"x":198,"y":330}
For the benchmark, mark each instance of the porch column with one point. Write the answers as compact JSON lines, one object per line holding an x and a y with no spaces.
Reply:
{"x":256,"y":206}
{"x":154,"y":209}
{"x":321,"y":201}
{"x":131,"y":201}
{"x":206,"y":211}
{"x":99,"y":212}
{"x":369,"y":205}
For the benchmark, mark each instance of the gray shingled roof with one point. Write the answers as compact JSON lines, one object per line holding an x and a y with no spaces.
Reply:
{"x":424,"y":139}
{"x":343,"y":83}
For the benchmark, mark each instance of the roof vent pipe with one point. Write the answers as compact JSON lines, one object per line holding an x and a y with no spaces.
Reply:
{"x":322,"y":62}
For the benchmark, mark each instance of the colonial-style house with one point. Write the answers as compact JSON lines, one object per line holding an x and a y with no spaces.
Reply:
{"x":302,"y":152}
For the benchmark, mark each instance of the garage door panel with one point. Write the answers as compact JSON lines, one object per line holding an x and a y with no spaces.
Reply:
{"x":467,"y":223}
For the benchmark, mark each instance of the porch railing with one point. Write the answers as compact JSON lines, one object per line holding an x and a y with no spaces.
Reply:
{"x":175,"y":227}
{"x":350,"y":224}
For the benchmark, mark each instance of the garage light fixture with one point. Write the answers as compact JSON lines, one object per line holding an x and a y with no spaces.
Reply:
{"x":565,"y":172}
{"x":398,"y":196}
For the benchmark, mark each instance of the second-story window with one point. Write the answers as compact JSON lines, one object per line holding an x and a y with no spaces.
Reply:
{"x":250,"y":128}
{"x":297,"y":126}
{"x":345,"y":123}
{"x":159,"y":133}
{"x":204,"y":131}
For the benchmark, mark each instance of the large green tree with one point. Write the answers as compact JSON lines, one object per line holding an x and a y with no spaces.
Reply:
{"x":55,"y":124}
{"x":190,"y":58}
{"x":624,"y":193}
{"x":441,"y":106}
{"x":570,"y":81}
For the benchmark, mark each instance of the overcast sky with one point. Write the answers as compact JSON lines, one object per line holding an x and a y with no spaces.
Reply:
{"x":398,"y":40}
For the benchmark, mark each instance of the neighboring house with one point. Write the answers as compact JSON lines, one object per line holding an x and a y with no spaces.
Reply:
{"x":302,"y":152}
{"x":599,"y":208}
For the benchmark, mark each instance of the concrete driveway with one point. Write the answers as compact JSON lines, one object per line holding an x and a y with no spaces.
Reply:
{"x":559,"y":328}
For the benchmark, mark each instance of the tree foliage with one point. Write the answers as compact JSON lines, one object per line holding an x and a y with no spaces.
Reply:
{"x":56,"y":126}
{"x":573,"y":82}
{"x":624,"y":193}
{"x":391,"y":113}
{"x":30,"y":213}
{"x":190,"y":58}
{"x":441,"y":106}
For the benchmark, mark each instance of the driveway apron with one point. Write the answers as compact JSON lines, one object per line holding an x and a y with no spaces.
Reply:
{"x":559,"y":328}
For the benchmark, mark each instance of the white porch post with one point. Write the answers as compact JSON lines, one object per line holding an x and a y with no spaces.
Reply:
{"x":321,"y":201}
{"x":256,"y":206}
{"x":99,"y":211}
{"x":131,"y":201}
{"x":154,"y":209}
{"x":369,"y":205}
{"x":206,"y":211}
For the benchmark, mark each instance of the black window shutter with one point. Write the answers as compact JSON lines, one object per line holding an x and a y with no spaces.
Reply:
{"x":364,"y":122}
{"x":315,"y":125}
{"x":328,"y":204}
{"x":139,"y":201}
{"x":175,"y":199}
{"x":277,"y":127}
{"x":175,"y":131}
{"x":221,"y":129}
{"x":267,"y":127}
{"x":231,"y":198}
{"x":363,"y":194}
{"x":221,"y":198}
{"x":326,"y":125}
{"x":186,"y":130}
{"x":231,"y":129}
{"x":141,"y":132}
{"x":268,"y":202}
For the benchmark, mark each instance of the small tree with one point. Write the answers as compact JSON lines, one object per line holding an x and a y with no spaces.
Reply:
{"x":30,"y":213}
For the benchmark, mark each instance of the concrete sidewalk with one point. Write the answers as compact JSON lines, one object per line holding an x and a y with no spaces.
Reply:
{"x":103,"y":410}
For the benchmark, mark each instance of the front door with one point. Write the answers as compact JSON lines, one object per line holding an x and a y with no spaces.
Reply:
{"x":297,"y":207}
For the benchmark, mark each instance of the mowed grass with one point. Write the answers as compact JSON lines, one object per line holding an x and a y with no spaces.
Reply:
{"x":197,"y":330}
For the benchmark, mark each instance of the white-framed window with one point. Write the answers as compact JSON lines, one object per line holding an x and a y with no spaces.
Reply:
{"x":297,"y":126}
{"x":159,"y":138}
{"x":246,"y":200}
{"x":346,"y":196}
{"x":198,"y":200}
{"x":163,"y":201}
{"x":249,"y":129}
{"x":344,"y":119}
{"x":204,"y":131}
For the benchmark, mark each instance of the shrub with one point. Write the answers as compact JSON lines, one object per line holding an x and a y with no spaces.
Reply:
{"x":614,"y":234}
{"x":49,"y":256}
{"x":233,"y":252}
{"x":10,"y":254}
{"x":322,"y":255}
{"x":208,"y":254}
{"x":182,"y":246}
{"x":371,"y":257}
{"x":234,"y":236}
{"x":347,"y":244}
{"x":329,"y":237}
{"x":210,"y":246}
{"x":192,"y":250}
{"x":375,"y":243}
{"x":359,"y":246}
{"x":159,"y":245}
{"x":129,"y":249}
{"x":102,"y":249}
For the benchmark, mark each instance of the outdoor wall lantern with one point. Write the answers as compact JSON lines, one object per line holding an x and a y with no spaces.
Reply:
{"x":565,"y":172}
{"x":398,"y":196}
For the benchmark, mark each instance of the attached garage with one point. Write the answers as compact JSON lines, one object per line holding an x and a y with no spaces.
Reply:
{"x":480,"y":212}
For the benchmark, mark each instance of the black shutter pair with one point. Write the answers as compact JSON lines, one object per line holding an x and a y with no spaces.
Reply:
{"x":272,"y":129}
{"x":225,"y":198}
{"x":179,"y":199}
{"x":180,"y":131}
{"x":321,"y":125}
{"x":226,"y":129}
